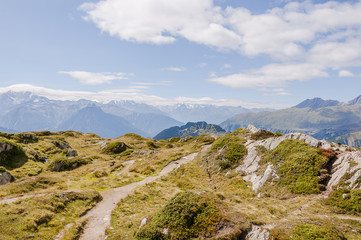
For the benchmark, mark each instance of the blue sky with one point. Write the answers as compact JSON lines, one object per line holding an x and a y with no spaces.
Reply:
{"x":229,"y":52}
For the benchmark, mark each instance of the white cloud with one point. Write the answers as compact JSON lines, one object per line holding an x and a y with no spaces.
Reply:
{"x":130,"y":94}
{"x":91,"y":78}
{"x":273,"y":75}
{"x":345,"y":73}
{"x":304,"y":39}
{"x":175,"y":69}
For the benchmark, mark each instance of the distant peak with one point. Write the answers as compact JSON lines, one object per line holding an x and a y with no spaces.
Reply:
{"x":317,"y":102}
{"x":355,"y":101}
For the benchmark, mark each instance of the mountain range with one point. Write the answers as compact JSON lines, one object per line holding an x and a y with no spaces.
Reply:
{"x":25,"y":111}
{"x":323,"y":119}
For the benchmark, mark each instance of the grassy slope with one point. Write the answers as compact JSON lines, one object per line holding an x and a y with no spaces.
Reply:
{"x":240,"y":205}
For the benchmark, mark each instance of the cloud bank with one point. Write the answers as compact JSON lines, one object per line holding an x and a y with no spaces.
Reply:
{"x":304,"y":40}
{"x":129,"y":94}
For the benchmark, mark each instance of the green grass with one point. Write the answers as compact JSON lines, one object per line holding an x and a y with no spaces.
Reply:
{"x":43,"y":217}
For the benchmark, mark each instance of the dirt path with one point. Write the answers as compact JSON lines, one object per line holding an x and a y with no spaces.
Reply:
{"x":14,"y":199}
{"x":99,"y":217}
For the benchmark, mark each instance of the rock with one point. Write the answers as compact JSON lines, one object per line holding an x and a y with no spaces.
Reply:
{"x":258,"y":233}
{"x":347,"y":163}
{"x":143,"y":222}
{"x":71,"y":153}
{"x":252,"y":129}
{"x":61,"y":144}
{"x":5,"y":178}
{"x":5,"y":147}
{"x":26,"y":137}
{"x":57,"y":167}
{"x":250,"y":164}
{"x":42,"y":159}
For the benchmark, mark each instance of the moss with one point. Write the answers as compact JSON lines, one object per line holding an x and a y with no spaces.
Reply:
{"x":346,"y":200}
{"x":308,"y":231}
{"x":297,"y":165}
{"x":2,"y":169}
{"x":187,"y":215}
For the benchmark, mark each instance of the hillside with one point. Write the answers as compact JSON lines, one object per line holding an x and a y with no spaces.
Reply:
{"x":309,"y":117}
{"x":191,"y":129}
{"x":249,"y":184}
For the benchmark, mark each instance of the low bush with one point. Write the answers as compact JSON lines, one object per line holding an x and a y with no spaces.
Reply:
{"x":346,"y":200}
{"x":262,"y":134}
{"x":66,"y":164}
{"x":308,"y":231}
{"x":185,"y":216}
{"x":14,"y":157}
{"x":297,"y":165}
{"x":115,"y":147}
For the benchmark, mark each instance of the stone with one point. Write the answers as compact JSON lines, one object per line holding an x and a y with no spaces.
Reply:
{"x":5,"y":178}
{"x":258,"y":233}
{"x":61,"y":144}
{"x":5,"y":147}
{"x":72,"y":153}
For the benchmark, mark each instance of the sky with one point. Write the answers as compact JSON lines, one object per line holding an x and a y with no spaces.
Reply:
{"x":257,"y":53}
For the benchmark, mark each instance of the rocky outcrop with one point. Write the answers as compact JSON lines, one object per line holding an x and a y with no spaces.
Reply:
{"x":5,"y":147}
{"x":5,"y":178}
{"x":250,"y":164}
{"x":348,"y":164}
{"x":258,"y":233}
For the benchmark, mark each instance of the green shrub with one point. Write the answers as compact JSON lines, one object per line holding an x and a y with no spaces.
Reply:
{"x":346,"y":200}
{"x":2,"y":169}
{"x":205,"y":139}
{"x":262,"y":134}
{"x":225,"y":140}
{"x":151,"y":145}
{"x":298,"y":166}
{"x":307,"y":231}
{"x":13,"y":158}
{"x":185,"y":216}
{"x":115,"y":147}
{"x":235,"y":151}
